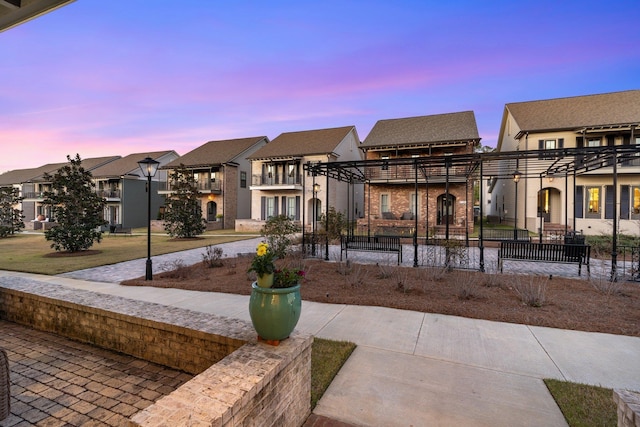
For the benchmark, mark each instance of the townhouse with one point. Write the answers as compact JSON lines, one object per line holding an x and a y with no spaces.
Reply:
{"x":397,"y":196}
{"x":280,"y":186}
{"x":221,"y":172}
{"x":590,"y":200}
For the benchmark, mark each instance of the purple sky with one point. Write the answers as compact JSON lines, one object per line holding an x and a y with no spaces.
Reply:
{"x":105,"y":78}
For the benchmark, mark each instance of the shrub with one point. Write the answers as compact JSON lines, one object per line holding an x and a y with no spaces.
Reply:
{"x":279,"y":231}
{"x":212,"y":258}
{"x":531,"y":289}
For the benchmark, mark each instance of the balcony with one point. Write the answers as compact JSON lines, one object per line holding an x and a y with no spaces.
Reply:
{"x":293,"y":181}
{"x":407,"y":174}
{"x":109,"y":194}
{"x":204,"y":187}
{"x":33,"y":195}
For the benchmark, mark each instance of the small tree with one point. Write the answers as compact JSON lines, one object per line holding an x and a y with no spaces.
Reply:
{"x":10,"y":217}
{"x":279,"y":231}
{"x":183,"y":215}
{"x":335,"y":223}
{"x":76,"y":207}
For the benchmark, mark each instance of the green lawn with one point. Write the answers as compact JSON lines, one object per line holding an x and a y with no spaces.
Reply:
{"x":32,"y":252}
{"x":584,"y":405}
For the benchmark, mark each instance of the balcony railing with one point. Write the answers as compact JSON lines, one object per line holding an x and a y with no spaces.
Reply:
{"x":109,"y":194}
{"x":200,"y":186}
{"x":266,"y":179}
{"x":33,"y":195}
{"x":408,"y":172}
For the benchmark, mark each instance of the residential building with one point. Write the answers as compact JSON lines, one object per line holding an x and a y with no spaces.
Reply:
{"x":584,"y":203}
{"x":221,"y":172}
{"x":437,"y":198}
{"x":33,"y":183}
{"x":123,"y":187}
{"x":280,"y":186}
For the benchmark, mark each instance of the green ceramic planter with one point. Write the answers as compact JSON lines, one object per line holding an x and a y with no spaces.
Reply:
{"x":274,"y":311}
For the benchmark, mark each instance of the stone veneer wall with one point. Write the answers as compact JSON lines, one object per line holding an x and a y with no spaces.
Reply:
{"x":240,"y":381}
{"x":628,"y":408}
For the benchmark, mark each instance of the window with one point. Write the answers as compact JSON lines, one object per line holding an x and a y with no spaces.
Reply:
{"x":243,"y":179}
{"x":593,"y":202}
{"x":291,"y":207}
{"x":270,"y":207}
{"x":384,"y":203}
{"x":385,"y":164}
{"x":635,"y":203}
{"x":593,"y":142}
{"x":413,"y":205}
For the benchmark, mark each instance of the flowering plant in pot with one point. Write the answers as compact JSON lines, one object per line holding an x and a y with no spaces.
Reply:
{"x":263,"y":265}
{"x":287,"y":277}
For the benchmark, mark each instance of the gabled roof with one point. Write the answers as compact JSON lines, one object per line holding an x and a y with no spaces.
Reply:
{"x":423,"y":130}
{"x":215,"y":152}
{"x":87,"y":164}
{"x":303,"y":143}
{"x":20,"y":176}
{"x":125,"y":165}
{"x":608,"y":109}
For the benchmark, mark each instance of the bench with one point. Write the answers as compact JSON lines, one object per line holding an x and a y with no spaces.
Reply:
{"x":545,"y":252}
{"x":371,"y":244}
{"x":119,"y":229}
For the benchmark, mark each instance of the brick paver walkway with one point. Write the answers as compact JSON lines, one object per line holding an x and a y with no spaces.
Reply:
{"x":59,"y":382}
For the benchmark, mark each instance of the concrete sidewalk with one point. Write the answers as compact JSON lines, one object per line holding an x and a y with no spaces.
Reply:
{"x":415,"y":368}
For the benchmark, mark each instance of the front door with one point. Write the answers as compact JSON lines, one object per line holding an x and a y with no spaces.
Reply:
{"x":212,"y":210}
{"x":544,"y":204}
{"x":445,"y":209}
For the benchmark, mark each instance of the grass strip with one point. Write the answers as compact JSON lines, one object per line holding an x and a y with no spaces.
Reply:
{"x":32,"y":253}
{"x":327,"y":357}
{"x":584,"y":405}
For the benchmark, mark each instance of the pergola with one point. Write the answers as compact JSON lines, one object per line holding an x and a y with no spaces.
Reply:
{"x":568,"y":163}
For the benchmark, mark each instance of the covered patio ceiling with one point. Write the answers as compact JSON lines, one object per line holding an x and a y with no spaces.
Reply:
{"x":15,"y":12}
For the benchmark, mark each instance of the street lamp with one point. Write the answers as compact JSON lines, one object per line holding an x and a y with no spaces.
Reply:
{"x":516,"y":179}
{"x":149,"y":167}
{"x":316,"y":188}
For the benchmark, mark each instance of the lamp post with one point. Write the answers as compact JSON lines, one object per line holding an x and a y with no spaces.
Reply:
{"x":149,"y":167}
{"x":516,"y":179}
{"x":316,"y":188}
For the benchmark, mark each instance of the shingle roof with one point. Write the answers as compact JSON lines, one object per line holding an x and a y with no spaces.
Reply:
{"x":303,"y":143}
{"x":450,"y":127}
{"x":124,"y":165}
{"x":19,"y":176}
{"x":618,"y":108}
{"x":215,"y":152}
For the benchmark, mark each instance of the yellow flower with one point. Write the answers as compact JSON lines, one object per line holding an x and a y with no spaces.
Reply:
{"x":262,"y":249}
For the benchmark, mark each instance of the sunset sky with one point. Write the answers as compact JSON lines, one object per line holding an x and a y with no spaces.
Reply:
{"x":105,"y":78}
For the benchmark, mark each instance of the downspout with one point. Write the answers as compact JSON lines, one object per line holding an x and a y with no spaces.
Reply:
{"x":614,"y":239}
{"x":526,"y":186}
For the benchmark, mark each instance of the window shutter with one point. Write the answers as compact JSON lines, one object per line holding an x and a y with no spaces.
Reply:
{"x":609,"y":207}
{"x":579,"y":157}
{"x":579,"y":202}
{"x":275,"y":206}
{"x":624,"y":202}
{"x":284,"y":205}
{"x":263,"y":208}
{"x":541,"y":144}
{"x":626,"y":140}
{"x":611,"y":141}
{"x":579,"y":142}
{"x":297,"y":208}
{"x":560,"y":142}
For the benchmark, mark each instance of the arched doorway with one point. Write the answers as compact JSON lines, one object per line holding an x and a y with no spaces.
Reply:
{"x":314,"y":205}
{"x":445,"y":209}
{"x":549,"y":205}
{"x":212,"y":211}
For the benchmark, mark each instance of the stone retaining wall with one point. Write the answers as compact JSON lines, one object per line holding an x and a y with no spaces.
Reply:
{"x":628,"y":408}
{"x":238,"y":381}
